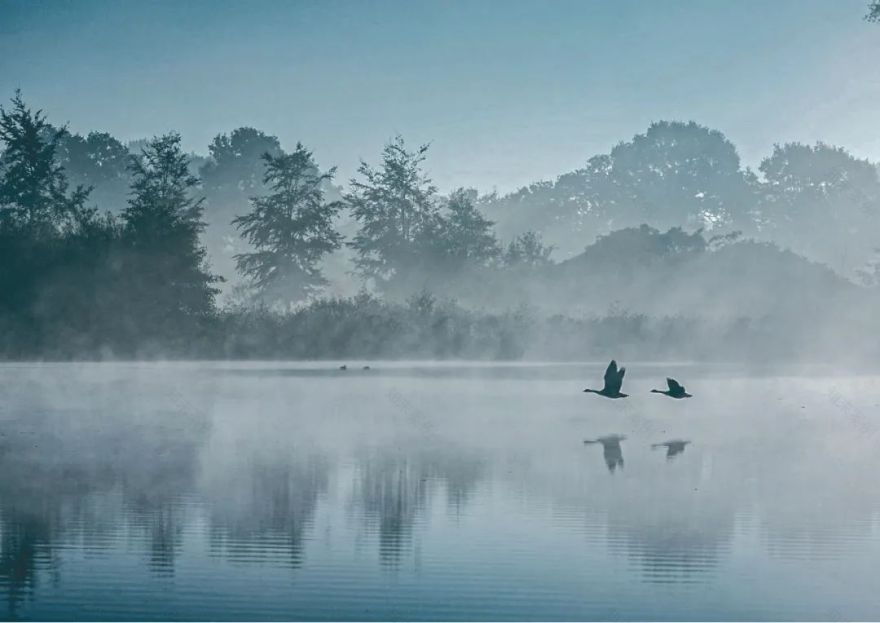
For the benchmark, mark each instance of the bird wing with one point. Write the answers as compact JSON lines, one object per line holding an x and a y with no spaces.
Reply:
{"x":614,"y":384}
{"x":674,"y":386}
{"x":611,"y":376}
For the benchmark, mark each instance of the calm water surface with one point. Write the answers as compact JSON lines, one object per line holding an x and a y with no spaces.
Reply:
{"x":299,"y":491}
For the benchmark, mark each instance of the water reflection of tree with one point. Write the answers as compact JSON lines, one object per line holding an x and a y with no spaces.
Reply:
{"x":672,"y":528}
{"x":63,"y":473}
{"x":159,"y":472}
{"x":263,"y":502}
{"x":41,"y":489}
{"x":393,"y":490}
{"x":23,"y":549}
{"x":672,"y":547}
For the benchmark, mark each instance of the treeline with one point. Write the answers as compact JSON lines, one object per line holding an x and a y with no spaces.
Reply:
{"x":136,"y":279}
{"x":104,"y":249}
{"x":73,"y":280}
{"x":817,"y":200}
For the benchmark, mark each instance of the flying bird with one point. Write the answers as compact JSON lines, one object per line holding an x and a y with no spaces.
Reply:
{"x":675,"y":390}
{"x":611,"y":450}
{"x":613,"y":382}
{"x":673,"y":447}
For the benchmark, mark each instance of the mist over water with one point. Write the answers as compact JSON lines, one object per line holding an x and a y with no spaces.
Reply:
{"x":434,"y":491}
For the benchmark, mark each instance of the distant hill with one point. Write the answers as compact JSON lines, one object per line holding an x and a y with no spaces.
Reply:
{"x":640,"y":270}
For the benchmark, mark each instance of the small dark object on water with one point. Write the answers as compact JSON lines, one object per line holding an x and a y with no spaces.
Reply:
{"x":343,"y":367}
{"x":613,"y":382}
{"x":675,"y":390}
{"x":366,"y":367}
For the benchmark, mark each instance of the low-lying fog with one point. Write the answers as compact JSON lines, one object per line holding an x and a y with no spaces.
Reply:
{"x":434,"y":491}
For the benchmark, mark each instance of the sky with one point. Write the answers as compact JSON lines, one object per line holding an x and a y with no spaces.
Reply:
{"x":506,"y":92}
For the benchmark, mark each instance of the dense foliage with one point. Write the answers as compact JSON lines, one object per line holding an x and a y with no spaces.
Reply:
{"x":291,"y":229}
{"x":671,"y":248}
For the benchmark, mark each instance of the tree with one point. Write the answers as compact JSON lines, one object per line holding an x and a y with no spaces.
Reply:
{"x":678,"y":174}
{"x":53,"y":251}
{"x":822,"y":201}
{"x":460,"y":236}
{"x":171,"y":288}
{"x":528,"y":250}
{"x":234,"y":171}
{"x":675,"y":174}
{"x":34,"y":196}
{"x":100,"y":162}
{"x":291,"y":229}
{"x":232,"y":174}
{"x":467,"y":234}
{"x":394,"y":206}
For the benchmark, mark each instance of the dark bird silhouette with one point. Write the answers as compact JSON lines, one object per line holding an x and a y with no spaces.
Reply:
{"x":673,"y":447}
{"x":343,"y":367}
{"x":675,"y":390}
{"x":613,"y":382}
{"x":366,"y":367}
{"x":610,"y":450}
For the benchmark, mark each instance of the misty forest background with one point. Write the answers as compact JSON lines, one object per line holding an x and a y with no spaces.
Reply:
{"x":665,"y":247}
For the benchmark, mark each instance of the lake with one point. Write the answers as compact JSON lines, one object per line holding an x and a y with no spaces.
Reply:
{"x":435,"y":492}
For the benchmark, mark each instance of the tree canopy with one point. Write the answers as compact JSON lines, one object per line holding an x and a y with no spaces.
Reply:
{"x":291,"y":228}
{"x":34,"y":190}
{"x":395,"y":209}
{"x":165,"y":261}
{"x":674,"y":174}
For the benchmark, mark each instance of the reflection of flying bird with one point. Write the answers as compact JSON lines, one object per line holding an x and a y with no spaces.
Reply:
{"x":613,"y":382}
{"x":675,"y":390}
{"x":673,"y":447}
{"x":610,"y":450}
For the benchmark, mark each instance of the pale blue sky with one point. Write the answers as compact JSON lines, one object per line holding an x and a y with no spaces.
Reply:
{"x":507,"y":92}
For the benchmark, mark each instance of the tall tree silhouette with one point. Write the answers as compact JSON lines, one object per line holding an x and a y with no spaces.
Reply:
{"x":232,"y":174}
{"x":34,"y":197}
{"x":51,"y":246}
{"x":291,"y":229}
{"x":394,"y":205}
{"x":171,"y":287}
{"x":464,"y":233}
